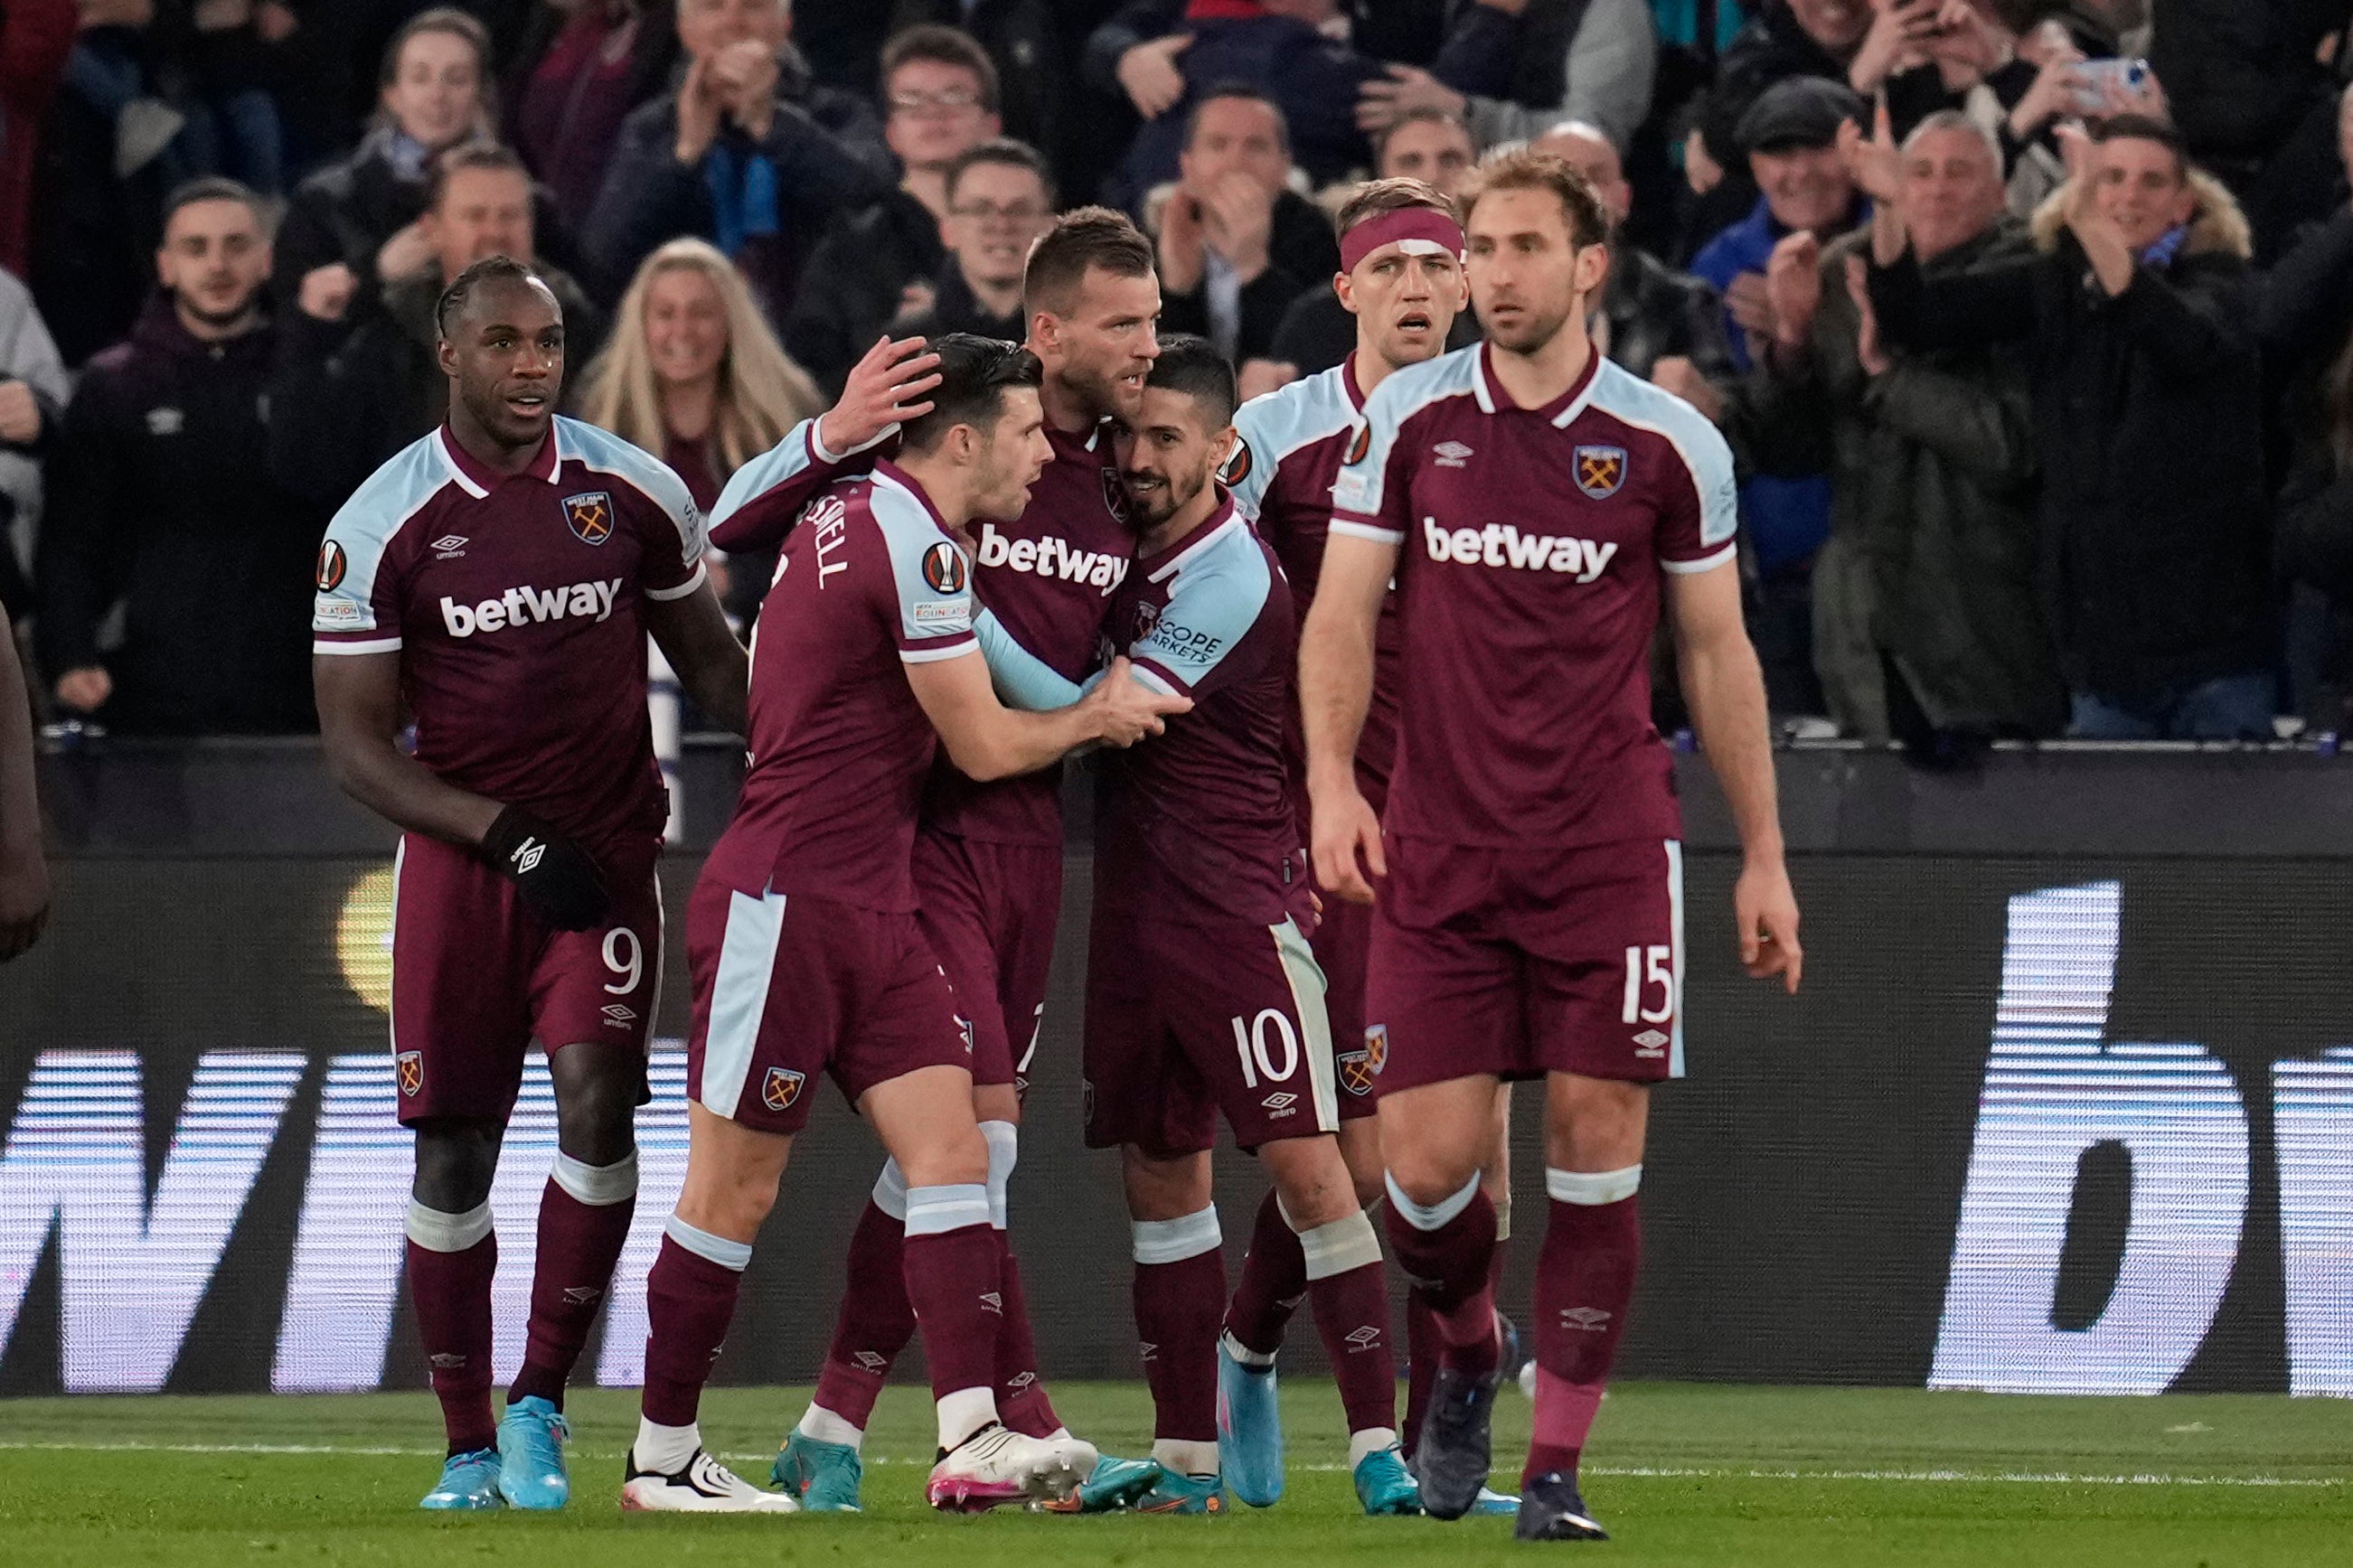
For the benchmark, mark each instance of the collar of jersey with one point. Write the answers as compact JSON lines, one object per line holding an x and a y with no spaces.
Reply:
{"x":1221,"y":523}
{"x":1562,"y":410}
{"x":478,"y":482}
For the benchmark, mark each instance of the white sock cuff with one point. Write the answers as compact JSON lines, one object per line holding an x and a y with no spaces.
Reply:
{"x":436,"y":1231}
{"x":1340,"y":1246}
{"x":827,"y":1426}
{"x":1592,"y":1187}
{"x":1433,"y":1216}
{"x":935,"y":1211}
{"x":1175,"y":1240}
{"x":1004,"y":1142}
{"x":890,"y":1192}
{"x":1371,"y":1440}
{"x":735,"y":1254}
{"x":1502,"y":1201}
{"x":598,"y":1186}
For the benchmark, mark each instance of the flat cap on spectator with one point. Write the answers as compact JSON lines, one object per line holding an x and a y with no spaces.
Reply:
{"x":1803,"y":111}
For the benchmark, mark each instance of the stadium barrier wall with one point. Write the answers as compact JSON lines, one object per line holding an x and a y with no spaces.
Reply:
{"x":2067,"y":1105}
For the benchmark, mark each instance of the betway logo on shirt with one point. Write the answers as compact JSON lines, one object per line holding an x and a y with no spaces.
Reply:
{"x":1052,"y":557}
{"x":1501,"y":544}
{"x":520,"y":606}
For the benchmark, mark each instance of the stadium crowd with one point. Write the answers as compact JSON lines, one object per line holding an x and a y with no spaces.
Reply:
{"x":2075,"y":459}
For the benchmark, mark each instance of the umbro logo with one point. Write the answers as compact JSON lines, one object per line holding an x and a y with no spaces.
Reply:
{"x":1020,"y":1380}
{"x":993,"y":1301}
{"x":581,"y":1295}
{"x":446,"y":1361}
{"x":1146,"y":1350}
{"x":448,"y":547}
{"x":1588,"y":1318}
{"x":528,"y":855}
{"x":1365,"y":1338}
{"x":1450,"y":454}
{"x":873,"y":1361}
{"x":618,"y":1017}
{"x":1651,"y":1037}
{"x":1280,"y":1105}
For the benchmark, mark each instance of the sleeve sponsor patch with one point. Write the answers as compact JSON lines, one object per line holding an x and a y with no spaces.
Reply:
{"x":333,"y":565}
{"x":328,"y":612}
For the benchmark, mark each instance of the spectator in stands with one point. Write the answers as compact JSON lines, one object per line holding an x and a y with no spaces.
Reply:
{"x":36,"y":37}
{"x":1578,"y":59}
{"x":1786,"y":38}
{"x":1929,"y":620}
{"x":693,"y":372}
{"x":344,"y":402}
{"x":161,"y":503}
{"x":2253,"y":97}
{"x":582,"y":67}
{"x":748,"y":152}
{"x":1000,"y":200}
{"x":363,"y":214}
{"x":33,"y":392}
{"x":1236,"y":244}
{"x":1032,"y":49}
{"x":1279,"y":49}
{"x":2137,"y":317}
{"x":1661,"y":324}
{"x":237,"y":60}
{"x":1316,"y":332}
{"x":1790,"y":138}
{"x":939,"y":95}
{"x":23,"y":874}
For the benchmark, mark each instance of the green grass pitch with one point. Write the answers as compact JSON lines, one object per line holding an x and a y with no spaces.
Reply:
{"x":1683,"y":1474}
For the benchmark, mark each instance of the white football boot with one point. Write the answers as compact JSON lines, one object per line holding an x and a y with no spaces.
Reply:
{"x":704,"y":1486}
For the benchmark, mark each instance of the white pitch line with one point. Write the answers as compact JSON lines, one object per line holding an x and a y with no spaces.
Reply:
{"x":1640,"y":1472}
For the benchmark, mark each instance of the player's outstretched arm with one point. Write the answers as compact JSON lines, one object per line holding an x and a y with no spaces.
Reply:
{"x":1726,"y":690}
{"x":693,"y":635}
{"x":23,"y":876}
{"x":359,"y":717}
{"x":1336,"y":687}
{"x":765,"y":498}
{"x":986,"y":740}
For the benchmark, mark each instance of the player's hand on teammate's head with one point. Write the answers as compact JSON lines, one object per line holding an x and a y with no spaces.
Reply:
{"x":886,"y":387}
{"x":1767,"y":908}
{"x":1342,"y":825}
{"x":557,"y":878}
{"x":1128,"y":711}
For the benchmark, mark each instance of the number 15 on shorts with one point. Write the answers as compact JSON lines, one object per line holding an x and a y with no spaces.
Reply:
{"x":1649,"y":967}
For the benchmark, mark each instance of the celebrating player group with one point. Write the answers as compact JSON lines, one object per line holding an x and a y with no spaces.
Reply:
{"x":1383,"y":827}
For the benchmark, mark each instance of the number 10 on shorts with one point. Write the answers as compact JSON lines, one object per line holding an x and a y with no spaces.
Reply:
{"x":1252,"y":1043}
{"x":1646,"y":967}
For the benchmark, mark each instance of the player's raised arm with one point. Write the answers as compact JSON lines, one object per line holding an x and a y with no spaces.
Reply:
{"x":1725,"y":690}
{"x":1336,"y":687}
{"x":765,"y":497}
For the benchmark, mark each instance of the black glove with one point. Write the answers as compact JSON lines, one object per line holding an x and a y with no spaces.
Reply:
{"x":557,"y":878}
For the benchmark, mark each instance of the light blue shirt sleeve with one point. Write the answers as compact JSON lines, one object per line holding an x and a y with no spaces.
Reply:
{"x":1023,"y":679}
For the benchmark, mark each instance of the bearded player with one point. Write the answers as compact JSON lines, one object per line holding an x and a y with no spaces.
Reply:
{"x":988,"y":858}
{"x":1401,"y":277}
{"x":1203,"y":996}
{"x":802,"y":935}
{"x":1529,"y":920}
{"x":498,"y":578}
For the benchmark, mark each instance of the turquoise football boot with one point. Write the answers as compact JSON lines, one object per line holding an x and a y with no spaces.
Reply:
{"x":532,"y":1437}
{"x":1174,"y":1493}
{"x":824,"y":1475}
{"x":1249,"y":1428}
{"x":469,"y":1480}
{"x":1112,"y":1485}
{"x":1384,"y":1486}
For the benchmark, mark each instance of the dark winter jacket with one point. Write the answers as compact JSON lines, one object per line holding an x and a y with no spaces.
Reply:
{"x":1934,"y":555}
{"x":1312,"y":78}
{"x":344,"y":401}
{"x":850,"y":289}
{"x":955,"y":309}
{"x":1655,"y":313}
{"x":160,"y":501}
{"x":2240,"y":74}
{"x":825,"y":146}
{"x":2148,"y":426}
{"x":1301,"y":254}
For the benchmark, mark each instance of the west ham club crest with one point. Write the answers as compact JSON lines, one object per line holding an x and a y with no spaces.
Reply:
{"x":590,"y":514}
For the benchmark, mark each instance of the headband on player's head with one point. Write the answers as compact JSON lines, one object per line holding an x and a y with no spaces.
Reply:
{"x":1416,"y":231}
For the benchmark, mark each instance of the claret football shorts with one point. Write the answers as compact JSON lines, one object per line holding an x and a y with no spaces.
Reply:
{"x":1526,"y":962}
{"x":990,"y":912}
{"x":787,"y":987}
{"x":476,"y":976}
{"x":1185,"y":1022}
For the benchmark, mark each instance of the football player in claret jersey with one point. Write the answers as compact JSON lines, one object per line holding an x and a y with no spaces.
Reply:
{"x":1202,"y":995}
{"x":498,"y":578}
{"x":1401,"y":279}
{"x":1536,"y":506}
{"x":802,"y":937}
{"x":988,"y":856}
